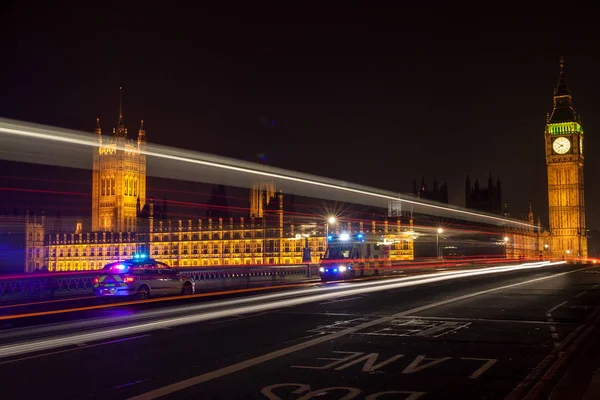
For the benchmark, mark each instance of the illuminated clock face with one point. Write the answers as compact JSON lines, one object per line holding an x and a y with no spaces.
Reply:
{"x":561,"y":145}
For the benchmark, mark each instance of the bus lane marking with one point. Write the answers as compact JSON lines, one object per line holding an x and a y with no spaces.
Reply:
{"x":350,"y":392}
{"x":371,"y":364}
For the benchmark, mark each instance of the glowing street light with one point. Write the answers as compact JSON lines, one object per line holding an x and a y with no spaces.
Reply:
{"x":506,"y":239}
{"x":440,"y":231}
{"x":330,"y":221}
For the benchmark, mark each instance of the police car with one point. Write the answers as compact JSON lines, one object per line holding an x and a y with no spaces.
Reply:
{"x":142,"y":277}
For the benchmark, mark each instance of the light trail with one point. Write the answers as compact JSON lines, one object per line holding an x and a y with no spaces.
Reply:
{"x":16,"y":129}
{"x":363,"y":288}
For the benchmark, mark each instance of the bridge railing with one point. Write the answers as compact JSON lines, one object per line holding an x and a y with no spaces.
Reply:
{"x":81,"y":283}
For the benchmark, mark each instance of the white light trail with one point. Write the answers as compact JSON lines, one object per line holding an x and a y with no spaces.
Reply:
{"x":73,"y":339}
{"x":51,"y":134}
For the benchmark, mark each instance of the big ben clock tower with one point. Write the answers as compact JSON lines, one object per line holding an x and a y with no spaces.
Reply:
{"x":564,"y":159}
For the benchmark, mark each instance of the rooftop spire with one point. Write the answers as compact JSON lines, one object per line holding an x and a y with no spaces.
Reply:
{"x":121,"y":131}
{"x":142,"y":132}
{"x":98,"y":129}
{"x":561,"y":88}
{"x":563,"y":110}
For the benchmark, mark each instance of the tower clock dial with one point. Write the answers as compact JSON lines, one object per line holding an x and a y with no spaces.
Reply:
{"x":561,"y":145}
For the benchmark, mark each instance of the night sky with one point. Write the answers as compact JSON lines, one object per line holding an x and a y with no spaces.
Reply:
{"x":377,"y":96}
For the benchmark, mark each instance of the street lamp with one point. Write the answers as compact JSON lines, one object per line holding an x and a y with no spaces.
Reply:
{"x":437,"y":241}
{"x":506,"y":239}
{"x":330,"y":221}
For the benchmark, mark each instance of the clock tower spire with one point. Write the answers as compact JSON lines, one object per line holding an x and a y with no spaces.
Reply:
{"x":564,"y":160}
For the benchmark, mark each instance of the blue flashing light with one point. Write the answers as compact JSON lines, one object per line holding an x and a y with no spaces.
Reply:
{"x":120,"y":267}
{"x":335,"y":270}
{"x":330,"y":238}
{"x":349,"y":268}
{"x":142,"y":256}
{"x":327,"y":270}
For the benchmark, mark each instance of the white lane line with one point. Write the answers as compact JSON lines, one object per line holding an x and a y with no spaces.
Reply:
{"x":556,"y":307}
{"x":340,"y":300}
{"x":580,"y":294}
{"x":175,"y":387}
{"x":502,"y":321}
{"x":552,"y":328}
{"x":239,"y":317}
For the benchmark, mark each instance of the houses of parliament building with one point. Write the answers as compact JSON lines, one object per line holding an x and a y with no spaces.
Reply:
{"x":126,"y":222}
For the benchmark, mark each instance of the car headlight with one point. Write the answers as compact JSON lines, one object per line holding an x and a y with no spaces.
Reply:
{"x":321,"y":269}
{"x":342,"y":268}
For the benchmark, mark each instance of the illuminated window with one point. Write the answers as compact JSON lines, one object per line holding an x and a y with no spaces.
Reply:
{"x":102,"y":187}
{"x":112,"y":185}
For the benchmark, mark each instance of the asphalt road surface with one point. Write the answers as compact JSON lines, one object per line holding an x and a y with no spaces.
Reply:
{"x":445,"y":335}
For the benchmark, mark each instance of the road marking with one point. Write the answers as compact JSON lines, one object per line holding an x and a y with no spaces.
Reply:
{"x":536,"y":375}
{"x":580,"y":294}
{"x":417,"y":327}
{"x":350,"y":392}
{"x":184,"y":384}
{"x":560,"y":359}
{"x":83,"y":346}
{"x":370,"y":360}
{"x":487,"y":365}
{"x":340,"y":300}
{"x":550,"y":311}
{"x":336,"y":361}
{"x":552,"y":328}
{"x":511,"y":321}
{"x":417,"y":365}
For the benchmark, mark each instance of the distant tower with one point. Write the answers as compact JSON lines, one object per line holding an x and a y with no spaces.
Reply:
{"x":34,"y":242}
{"x":564,"y":159}
{"x":262,"y":193}
{"x":530,"y":217}
{"x":118,"y":178}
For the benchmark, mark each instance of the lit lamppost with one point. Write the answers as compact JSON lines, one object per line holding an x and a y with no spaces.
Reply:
{"x":505,"y":239}
{"x":437,"y":241}
{"x":330,"y":221}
